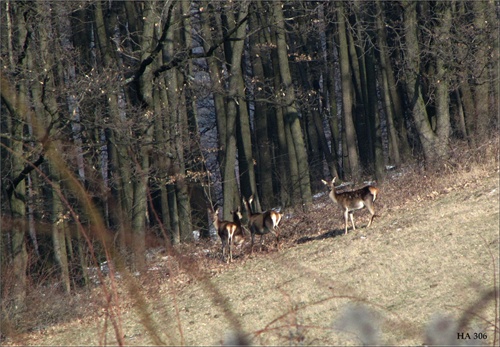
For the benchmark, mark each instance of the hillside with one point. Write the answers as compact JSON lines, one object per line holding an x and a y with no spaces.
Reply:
{"x":431,"y":252}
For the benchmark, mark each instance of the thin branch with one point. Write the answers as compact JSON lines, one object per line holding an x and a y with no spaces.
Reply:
{"x":6,"y":99}
{"x":181,"y":57}
{"x":158,"y":48}
{"x":185,"y":56}
{"x":11,"y":185}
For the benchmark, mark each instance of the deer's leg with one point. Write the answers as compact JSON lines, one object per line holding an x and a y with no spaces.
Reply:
{"x":273,"y":229}
{"x":352,"y":220}
{"x":371,"y":220}
{"x":346,"y":213}
{"x":372,"y":211}
{"x":240,"y":246}
{"x":223,"y":251}
{"x":253,"y":239}
{"x":275,"y":233}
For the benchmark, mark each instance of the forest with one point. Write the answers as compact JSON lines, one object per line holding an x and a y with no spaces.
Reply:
{"x":123,"y":121}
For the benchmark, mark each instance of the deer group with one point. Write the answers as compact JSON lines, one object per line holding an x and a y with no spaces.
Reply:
{"x":232,"y":233}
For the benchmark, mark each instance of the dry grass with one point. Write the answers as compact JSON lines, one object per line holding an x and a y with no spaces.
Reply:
{"x":430,"y":256}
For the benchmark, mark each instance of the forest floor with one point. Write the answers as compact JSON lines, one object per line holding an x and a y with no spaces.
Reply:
{"x":426,"y":264}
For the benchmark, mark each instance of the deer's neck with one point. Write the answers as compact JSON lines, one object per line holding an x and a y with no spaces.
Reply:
{"x":333,"y":195}
{"x":249,"y":209}
{"x":216,"y":223}
{"x":236,"y":218}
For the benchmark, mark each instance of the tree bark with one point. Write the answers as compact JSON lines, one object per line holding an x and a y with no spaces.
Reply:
{"x":17,"y":249}
{"x":481,"y":89}
{"x":141,"y":152}
{"x":119,"y":160}
{"x":246,"y":167}
{"x":373,"y":116}
{"x":296,"y":141}
{"x":347,"y":98}
{"x":331,"y":59}
{"x":49,"y":114}
{"x":443,"y":128}
{"x":286,"y":172}
{"x":262,"y":143}
{"x":59,"y":232}
{"x":230,"y":185}
{"x":434,"y":144}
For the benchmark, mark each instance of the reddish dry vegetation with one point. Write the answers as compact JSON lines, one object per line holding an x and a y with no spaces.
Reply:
{"x":425,"y":270}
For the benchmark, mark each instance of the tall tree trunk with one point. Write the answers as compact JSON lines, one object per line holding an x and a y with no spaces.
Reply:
{"x":248,"y":184}
{"x":195,"y":168}
{"x":330,"y":64}
{"x":119,"y":158}
{"x":182,"y":140}
{"x":347,"y":97}
{"x":16,"y":103}
{"x":355,"y":39}
{"x":230,"y":185}
{"x":286,"y":172}
{"x":396,"y":123}
{"x":443,"y":127}
{"x":211,"y":24}
{"x":373,"y":116}
{"x":494,"y":63}
{"x":171,"y":98}
{"x":292,"y":122}
{"x":318,"y":148}
{"x":481,"y":89}
{"x":181,"y":187}
{"x":262,"y":143}
{"x":469,"y":113}
{"x":49,"y":111}
{"x":459,"y":118}
{"x":143,"y":148}
{"x":58,"y":231}
{"x":163,"y":157}
{"x":139,"y":210}
{"x":434,"y":144}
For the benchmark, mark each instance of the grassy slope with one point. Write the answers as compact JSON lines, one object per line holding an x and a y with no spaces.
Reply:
{"x":424,"y":255}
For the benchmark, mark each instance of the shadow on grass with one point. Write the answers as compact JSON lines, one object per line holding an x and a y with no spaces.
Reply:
{"x":327,"y":235}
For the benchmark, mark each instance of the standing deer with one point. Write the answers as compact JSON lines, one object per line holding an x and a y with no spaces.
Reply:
{"x":230,"y":233}
{"x":354,"y":200}
{"x":262,"y":223}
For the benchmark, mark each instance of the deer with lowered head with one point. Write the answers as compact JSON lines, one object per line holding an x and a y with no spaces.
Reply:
{"x":354,"y":200}
{"x":262,"y":223}
{"x":230,"y":233}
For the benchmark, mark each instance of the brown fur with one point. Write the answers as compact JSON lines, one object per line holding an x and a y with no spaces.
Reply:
{"x":354,"y":200}
{"x":230,"y":233}
{"x":262,"y":223}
